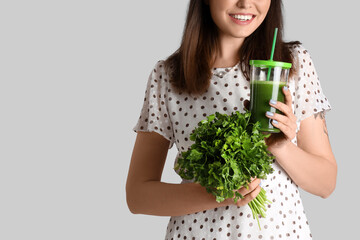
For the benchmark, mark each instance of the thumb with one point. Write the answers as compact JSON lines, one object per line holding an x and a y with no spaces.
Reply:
{"x":247,"y":104}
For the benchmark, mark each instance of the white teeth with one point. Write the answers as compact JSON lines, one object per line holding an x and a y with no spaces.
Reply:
{"x":242,"y":17}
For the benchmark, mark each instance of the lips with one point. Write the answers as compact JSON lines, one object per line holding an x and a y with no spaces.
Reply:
{"x":242,"y":18}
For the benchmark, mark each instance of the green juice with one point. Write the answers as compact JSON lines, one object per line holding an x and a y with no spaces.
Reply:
{"x":261,"y":93}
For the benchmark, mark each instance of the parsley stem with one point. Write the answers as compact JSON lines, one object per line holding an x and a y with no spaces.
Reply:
{"x":252,"y":209}
{"x":260,"y":198}
{"x":258,"y":206}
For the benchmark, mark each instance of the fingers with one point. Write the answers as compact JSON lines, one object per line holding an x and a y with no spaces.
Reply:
{"x":288,"y":98}
{"x":284,"y":108}
{"x":252,"y":185}
{"x":250,"y":193}
{"x":287,"y":122}
{"x":289,"y":131}
{"x":279,"y":117}
{"x":249,"y":197}
{"x":247,"y":104}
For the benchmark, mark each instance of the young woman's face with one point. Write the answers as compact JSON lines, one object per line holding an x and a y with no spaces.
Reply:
{"x":238,"y":18}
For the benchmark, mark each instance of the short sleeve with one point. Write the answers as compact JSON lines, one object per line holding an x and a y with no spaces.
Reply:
{"x":154,"y":116}
{"x":309,"y":97}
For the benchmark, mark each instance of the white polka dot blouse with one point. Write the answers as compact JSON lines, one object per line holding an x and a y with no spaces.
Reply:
{"x":174,"y":116}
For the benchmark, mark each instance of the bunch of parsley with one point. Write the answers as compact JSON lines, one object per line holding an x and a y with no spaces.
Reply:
{"x":228,"y":151}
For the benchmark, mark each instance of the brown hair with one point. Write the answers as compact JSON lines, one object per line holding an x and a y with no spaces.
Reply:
{"x":190,"y":65}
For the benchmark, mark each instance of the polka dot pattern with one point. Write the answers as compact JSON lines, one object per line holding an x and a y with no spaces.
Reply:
{"x":174,"y":115}
{"x":155,"y":116}
{"x":310,"y":98}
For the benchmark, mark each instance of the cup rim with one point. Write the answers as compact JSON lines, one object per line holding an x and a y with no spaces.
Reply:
{"x":269,"y":63}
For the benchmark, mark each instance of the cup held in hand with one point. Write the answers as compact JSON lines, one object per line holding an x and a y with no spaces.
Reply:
{"x":267,"y":78}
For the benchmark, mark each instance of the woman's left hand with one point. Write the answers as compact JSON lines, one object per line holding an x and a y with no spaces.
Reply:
{"x":286,"y":123}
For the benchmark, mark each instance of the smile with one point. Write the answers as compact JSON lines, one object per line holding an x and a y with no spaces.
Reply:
{"x":242,"y":18}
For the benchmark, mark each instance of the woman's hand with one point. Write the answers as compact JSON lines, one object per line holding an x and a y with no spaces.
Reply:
{"x":286,"y":123}
{"x":249,"y":194}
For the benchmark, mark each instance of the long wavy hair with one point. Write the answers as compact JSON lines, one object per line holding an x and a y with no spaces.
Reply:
{"x":190,"y":65}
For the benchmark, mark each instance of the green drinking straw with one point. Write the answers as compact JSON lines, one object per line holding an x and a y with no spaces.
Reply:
{"x":272,"y":53}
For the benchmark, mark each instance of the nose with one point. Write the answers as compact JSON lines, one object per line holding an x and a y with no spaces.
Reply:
{"x":245,"y":4}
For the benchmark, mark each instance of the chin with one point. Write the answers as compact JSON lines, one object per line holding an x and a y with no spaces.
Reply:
{"x":241,"y":34}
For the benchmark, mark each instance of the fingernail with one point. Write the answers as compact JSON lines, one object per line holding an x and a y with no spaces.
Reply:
{"x":274,"y":121}
{"x":273,"y":102}
{"x":286,"y":88}
{"x":270,"y":114}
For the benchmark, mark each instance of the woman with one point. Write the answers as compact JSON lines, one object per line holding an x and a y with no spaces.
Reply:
{"x":209,"y":73}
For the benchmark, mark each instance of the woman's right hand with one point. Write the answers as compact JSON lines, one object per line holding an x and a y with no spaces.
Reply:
{"x":248,"y":194}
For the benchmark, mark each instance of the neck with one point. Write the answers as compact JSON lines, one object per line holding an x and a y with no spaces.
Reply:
{"x":228,"y":55}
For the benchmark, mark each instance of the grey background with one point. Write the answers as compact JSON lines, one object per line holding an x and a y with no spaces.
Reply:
{"x":73,"y":76}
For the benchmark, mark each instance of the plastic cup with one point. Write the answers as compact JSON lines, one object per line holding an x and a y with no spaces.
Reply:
{"x":264,"y":88}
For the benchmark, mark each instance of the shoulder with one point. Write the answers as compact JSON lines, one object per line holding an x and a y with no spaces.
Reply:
{"x":298,"y":48}
{"x":159,"y":68}
{"x":159,"y":77}
{"x":300,"y":54}
{"x":159,"y":71}
{"x":302,"y":62}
